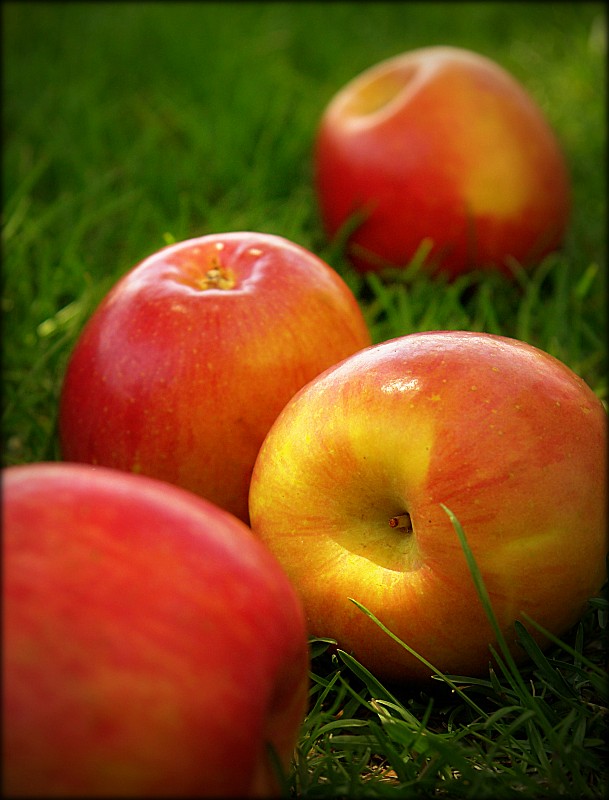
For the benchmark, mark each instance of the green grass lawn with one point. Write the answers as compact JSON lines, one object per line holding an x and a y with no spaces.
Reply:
{"x":127,"y":126}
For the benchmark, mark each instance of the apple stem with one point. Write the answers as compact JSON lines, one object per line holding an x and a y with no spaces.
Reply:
{"x":217,"y":277}
{"x":401,"y":521}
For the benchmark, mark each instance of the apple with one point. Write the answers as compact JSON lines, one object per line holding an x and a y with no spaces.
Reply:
{"x":152,"y":645}
{"x":351,"y":486}
{"x":441,"y":144}
{"x":187,"y":361}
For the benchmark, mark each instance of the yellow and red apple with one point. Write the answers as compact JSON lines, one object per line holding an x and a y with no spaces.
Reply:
{"x":152,"y":646}
{"x":441,"y":144}
{"x":351,"y":484}
{"x":188,"y":360}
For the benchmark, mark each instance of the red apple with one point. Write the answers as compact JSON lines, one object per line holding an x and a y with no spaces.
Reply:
{"x":152,"y":645}
{"x":441,"y":144}
{"x":349,"y":487}
{"x":190,"y":357}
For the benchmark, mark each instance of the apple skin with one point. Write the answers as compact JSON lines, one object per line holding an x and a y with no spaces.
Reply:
{"x":151,"y":644}
{"x":443,"y":144}
{"x":178,"y":375}
{"x":504,"y":435}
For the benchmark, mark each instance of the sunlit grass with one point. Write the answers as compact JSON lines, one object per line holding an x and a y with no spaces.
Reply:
{"x":538,"y":731}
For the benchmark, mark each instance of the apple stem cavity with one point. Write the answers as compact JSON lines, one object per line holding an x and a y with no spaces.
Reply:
{"x":217,"y":277}
{"x":401,"y":521}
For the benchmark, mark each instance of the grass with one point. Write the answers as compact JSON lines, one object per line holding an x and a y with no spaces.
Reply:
{"x":127,"y":126}
{"x":531,"y":732}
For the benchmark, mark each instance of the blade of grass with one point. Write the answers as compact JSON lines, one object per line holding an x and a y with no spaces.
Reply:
{"x":510,"y":664}
{"x":423,"y":660}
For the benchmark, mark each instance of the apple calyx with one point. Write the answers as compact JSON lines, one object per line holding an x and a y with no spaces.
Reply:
{"x":218,"y":277}
{"x":401,"y":521}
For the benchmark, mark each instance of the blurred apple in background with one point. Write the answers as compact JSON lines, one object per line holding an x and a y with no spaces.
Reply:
{"x":348,"y":488}
{"x":190,"y":357}
{"x":443,"y":144}
{"x":152,"y":645}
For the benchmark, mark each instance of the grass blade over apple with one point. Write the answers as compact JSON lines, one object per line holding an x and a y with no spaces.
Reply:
{"x":350,"y":485}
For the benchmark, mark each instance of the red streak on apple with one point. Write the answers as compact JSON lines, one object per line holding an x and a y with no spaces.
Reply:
{"x":507,"y":437}
{"x":185,"y":364}
{"x":151,"y":646}
{"x":441,"y":144}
